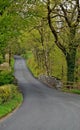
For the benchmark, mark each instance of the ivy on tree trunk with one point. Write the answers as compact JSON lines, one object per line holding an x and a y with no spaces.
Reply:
{"x":65,"y":22}
{"x":71,"y":59}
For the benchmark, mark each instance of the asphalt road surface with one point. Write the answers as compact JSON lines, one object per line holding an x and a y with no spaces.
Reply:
{"x":43,"y":108}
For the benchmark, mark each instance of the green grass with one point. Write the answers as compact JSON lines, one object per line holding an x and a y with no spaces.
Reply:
{"x":75,"y":91}
{"x":12,"y":63}
{"x":27,"y":55}
{"x":10,"y":105}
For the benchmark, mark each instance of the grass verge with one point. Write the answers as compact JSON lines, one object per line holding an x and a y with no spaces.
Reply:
{"x":75,"y":91}
{"x":10,"y":105}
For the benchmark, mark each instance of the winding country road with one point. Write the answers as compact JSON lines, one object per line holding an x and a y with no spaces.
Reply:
{"x":43,"y":108}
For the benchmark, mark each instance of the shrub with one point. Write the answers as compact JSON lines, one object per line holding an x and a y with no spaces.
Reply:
{"x":6,"y":77}
{"x":7,"y":92}
{"x":13,"y":99}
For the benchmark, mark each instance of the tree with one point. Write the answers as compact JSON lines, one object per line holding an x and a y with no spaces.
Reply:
{"x":35,"y":12}
{"x":38,"y":39}
{"x":11,"y":24}
{"x":64,"y":21}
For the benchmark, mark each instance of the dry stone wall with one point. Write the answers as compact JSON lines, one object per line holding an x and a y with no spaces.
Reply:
{"x":51,"y":81}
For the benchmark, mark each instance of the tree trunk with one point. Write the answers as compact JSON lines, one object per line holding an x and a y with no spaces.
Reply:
{"x":10,"y":57}
{"x":71,"y":58}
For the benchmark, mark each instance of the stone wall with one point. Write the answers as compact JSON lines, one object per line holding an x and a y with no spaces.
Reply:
{"x":51,"y":81}
{"x":5,"y":65}
{"x":7,"y":58}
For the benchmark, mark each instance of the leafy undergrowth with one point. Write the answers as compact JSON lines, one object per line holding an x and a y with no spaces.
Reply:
{"x":10,"y":99}
{"x":75,"y":91}
{"x":6,"y":77}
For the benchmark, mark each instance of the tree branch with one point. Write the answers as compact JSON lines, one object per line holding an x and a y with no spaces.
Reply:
{"x":73,"y":12}
{"x":53,"y":30}
{"x":65,"y":15}
{"x":78,"y":6}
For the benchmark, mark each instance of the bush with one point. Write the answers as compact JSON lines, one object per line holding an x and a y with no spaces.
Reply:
{"x":6,"y":77}
{"x":10,"y":98}
{"x":7,"y":92}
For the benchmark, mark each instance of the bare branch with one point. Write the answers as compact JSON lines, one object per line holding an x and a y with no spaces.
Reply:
{"x":53,"y":30}
{"x":78,"y":7}
{"x":65,"y":15}
{"x":73,"y":12}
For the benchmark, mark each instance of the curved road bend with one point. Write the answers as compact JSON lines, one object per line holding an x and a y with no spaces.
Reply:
{"x":43,"y":108}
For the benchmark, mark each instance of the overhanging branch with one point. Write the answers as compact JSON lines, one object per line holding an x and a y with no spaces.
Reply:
{"x":53,"y":29}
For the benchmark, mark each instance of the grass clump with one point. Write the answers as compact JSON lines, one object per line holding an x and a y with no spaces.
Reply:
{"x":75,"y":91}
{"x":10,"y":98}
